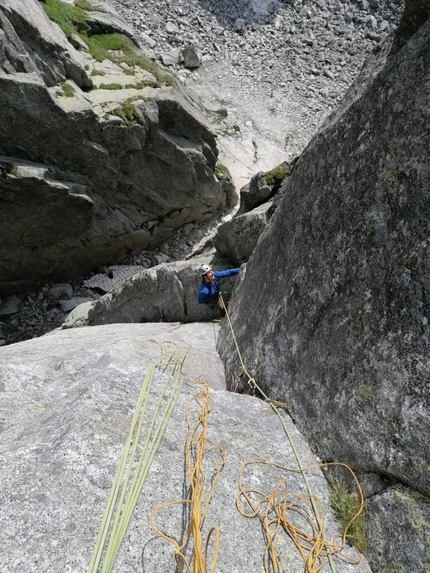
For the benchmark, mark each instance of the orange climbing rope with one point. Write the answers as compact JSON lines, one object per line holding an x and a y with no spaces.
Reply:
{"x":195,"y":449}
{"x":278,"y":510}
{"x":313,"y":548}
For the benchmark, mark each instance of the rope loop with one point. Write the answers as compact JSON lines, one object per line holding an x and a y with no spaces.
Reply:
{"x":319,"y":546}
{"x":195,"y":449}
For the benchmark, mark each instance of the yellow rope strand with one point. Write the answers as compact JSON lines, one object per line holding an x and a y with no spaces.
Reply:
{"x":316,"y":505}
{"x":123,"y":497}
{"x":195,"y":448}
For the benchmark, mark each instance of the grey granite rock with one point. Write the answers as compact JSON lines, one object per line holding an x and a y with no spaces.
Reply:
{"x":45,"y":43}
{"x":66,"y":404}
{"x":115,"y":275}
{"x":398,"y":528}
{"x":256,"y":192}
{"x":236,"y":239}
{"x":90,"y":178}
{"x":167,"y":292}
{"x":333,"y":313}
{"x":108,"y":23}
{"x":68,"y":305}
{"x":192,"y":57}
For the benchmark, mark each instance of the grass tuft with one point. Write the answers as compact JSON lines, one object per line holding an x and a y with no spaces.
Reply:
{"x":221,"y":172}
{"x":277,"y":174}
{"x":346,"y":505}
{"x":67,"y":16}
{"x":112,"y":86}
{"x":66,"y":90}
{"x":128,"y":113}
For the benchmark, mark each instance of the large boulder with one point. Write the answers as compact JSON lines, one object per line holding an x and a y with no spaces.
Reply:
{"x":263,"y":186}
{"x":398,"y":528}
{"x":236,"y":239}
{"x":166,"y":292}
{"x":66,"y":406}
{"x":44,"y":42}
{"x":333,"y":312}
{"x":90,"y":177}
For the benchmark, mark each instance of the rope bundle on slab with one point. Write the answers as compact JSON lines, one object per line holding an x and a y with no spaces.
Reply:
{"x":195,"y":449}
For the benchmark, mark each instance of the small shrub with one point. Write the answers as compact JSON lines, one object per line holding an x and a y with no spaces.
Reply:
{"x":128,"y":113}
{"x":221,"y":172}
{"x":98,"y":73}
{"x":67,"y":16}
{"x":112,"y":86}
{"x":66,"y":90}
{"x":277,"y":174}
{"x":346,"y":505}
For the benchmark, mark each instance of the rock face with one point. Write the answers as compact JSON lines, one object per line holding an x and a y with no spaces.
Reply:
{"x":66,"y":405}
{"x":96,"y":163}
{"x":398,"y":521}
{"x":263,"y":187}
{"x":167,"y":292}
{"x":236,"y":239}
{"x":334,"y":312}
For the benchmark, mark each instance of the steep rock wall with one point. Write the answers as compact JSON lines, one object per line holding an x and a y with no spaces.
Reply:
{"x":334,"y":306}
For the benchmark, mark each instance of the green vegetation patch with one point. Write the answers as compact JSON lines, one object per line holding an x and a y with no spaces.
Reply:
{"x":66,"y":90}
{"x":67,"y":16}
{"x":112,"y":86}
{"x":115,"y":47}
{"x":118,"y":49}
{"x":128,"y":113}
{"x":13,"y":170}
{"x":85,"y":5}
{"x":98,"y":73}
{"x":214,"y":116}
{"x":221,"y":172}
{"x":346,"y":505}
{"x":277,"y":174}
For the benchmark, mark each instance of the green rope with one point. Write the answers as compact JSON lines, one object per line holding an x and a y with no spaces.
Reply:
{"x":254,"y":384}
{"x":123,"y":495}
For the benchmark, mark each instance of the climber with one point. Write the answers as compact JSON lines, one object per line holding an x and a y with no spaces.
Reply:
{"x":209,"y":287}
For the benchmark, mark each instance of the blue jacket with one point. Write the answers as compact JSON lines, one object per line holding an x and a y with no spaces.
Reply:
{"x":209,"y":293}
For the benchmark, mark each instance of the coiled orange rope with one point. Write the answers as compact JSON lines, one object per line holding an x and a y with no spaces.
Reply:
{"x":312,"y":548}
{"x":195,"y":449}
{"x":277,"y":509}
